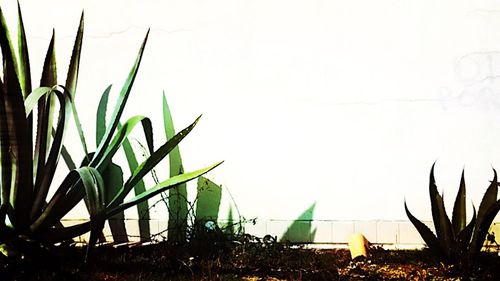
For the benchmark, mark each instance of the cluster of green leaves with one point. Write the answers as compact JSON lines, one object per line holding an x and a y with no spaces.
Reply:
{"x":28,"y":164}
{"x":455,"y":240}
{"x":180,"y":210}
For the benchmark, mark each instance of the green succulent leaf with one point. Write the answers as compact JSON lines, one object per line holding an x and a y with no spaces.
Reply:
{"x":177,"y":197}
{"x":441,"y":221}
{"x":459,"y":212}
{"x":5,"y":155}
{"x":16,"y":144}
{"x":429,"y":238}
{"x":162,"y":186}
{"x":49,"y":73}
{"x":34,"y":97}
{"x":45,"y":176}
{"x":151,"y":162}
{"x":74,"y":64}
{"x":46,"y":108}
{"x":463,"y":239}
{"x":175,"y":155}
{"x":489,"y":198}
{"x":483,"y":228}
{"x":10,"y":78}
{"x":113,"y":180}
{"x":70,"y":86}
{"x":119,"y":138}
{"x":142,"y":208}
{"x":101,"y":116}
{"x":488,"y":209}
{"x":95,"y":195}
{"x":24,"y":61}
{"x":72,"y":80}
{"x":120,"y":105}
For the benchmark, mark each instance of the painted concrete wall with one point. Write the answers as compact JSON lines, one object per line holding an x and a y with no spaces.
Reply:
{"x":345,"y":104}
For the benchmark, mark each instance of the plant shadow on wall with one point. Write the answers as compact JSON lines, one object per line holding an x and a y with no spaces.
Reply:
{"x":30,"y":220}
{"x":456,"y":241}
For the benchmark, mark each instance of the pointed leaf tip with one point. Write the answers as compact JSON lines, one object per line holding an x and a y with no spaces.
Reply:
{"x":433,"y":180}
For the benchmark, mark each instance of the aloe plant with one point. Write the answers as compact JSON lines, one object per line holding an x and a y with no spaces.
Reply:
{"x":457,"y":241}
{"x":27,"y":212}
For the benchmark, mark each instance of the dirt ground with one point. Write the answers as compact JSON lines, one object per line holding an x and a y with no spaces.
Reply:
{"x":249,"y":261}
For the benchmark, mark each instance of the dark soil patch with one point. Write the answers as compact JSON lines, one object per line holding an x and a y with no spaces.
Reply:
{"x":250,"y":261}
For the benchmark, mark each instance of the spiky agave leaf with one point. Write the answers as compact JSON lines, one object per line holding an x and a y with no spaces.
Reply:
{"x":70,"y":86}
{"x":151,"y":162}
{"x":120,"y":105}
{"x":100,"y":125}
{"x":95,"y":195}
{"x":24,"y":72}
{"x":485,"y":215}
{"x":46,"y":107}
{"x":5,"y":156}
{"x":120,"y":137}
{"x":177,"y":197}
{"x":10,"y":78}
{"x":72,"y":80}
{"x":113,"y":180}
{"x":16,"y":138}
{"x":459,"y":216}
{"x":142,"y":208}
{"x":429,"y":238}
{"x":74,"y":64}
{"x":463,"y":240}
{"x":44,"y":179}
{"x":441,"y":221}
{"x":162,"y":186}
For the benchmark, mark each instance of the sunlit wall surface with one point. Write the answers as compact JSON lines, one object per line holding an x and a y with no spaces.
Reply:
{"x":340,"y":105}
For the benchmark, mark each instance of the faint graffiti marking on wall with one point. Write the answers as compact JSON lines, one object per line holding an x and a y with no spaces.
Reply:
{"x":478,"y":76}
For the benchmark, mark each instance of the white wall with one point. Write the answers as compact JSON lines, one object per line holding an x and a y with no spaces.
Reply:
{"x":342,"y":103}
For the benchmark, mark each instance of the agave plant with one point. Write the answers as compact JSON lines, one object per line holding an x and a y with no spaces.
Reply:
{"x":28,"y":164}
{"x":456,"y":241}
